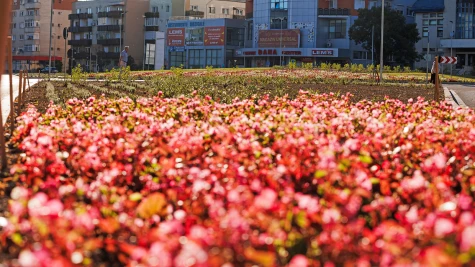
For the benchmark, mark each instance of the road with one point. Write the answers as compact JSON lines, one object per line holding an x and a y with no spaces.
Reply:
{"x":465,"y":91}
{"x":5,"y":93}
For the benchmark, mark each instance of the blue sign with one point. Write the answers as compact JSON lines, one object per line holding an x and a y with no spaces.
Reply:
{"x":197,"y":23}
{"x":176,"y":49}
{"x":177,"y":25}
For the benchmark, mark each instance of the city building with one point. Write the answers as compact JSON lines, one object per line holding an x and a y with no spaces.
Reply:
{"x":307,"y":31}
{"x":447,"y":29}
{"x":30,"y":31}
{"x":198,"y":43}
{"x":212,"y":9}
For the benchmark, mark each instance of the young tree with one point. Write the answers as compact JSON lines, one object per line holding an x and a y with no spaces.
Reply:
{"x":399,"y":37}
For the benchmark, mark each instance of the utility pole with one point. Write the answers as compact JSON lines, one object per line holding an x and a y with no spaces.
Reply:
{"x":451,"y":47}
{"x":280,"y":56}
{"x":381,"y":63}
{"x":50,"y":37}
{"x":144,"y":42}
{"x":427,"y":58}
{"x":372,"y":46}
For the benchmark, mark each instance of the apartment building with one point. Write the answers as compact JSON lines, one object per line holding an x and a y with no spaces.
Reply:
{"x":30,"y":31}
{"x":213,"y":9}
{"x":447,"y":29}
{"x":307,"y":31}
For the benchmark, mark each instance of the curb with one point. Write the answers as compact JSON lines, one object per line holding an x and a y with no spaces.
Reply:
{"x":453,"y":98}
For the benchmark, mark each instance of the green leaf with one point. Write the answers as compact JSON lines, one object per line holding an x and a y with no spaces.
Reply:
{"x":366,"y":159}
{"x":320,"y":174}
{"x":135,"y":197}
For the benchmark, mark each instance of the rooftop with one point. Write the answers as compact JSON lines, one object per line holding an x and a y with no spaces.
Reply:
{"x":423,"y":6}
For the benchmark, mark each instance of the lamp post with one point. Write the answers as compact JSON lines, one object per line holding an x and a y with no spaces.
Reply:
{"x":451,"y":47}
{"x":50,"y":37}
{"x":280,"y":56}
{"x":382,"y":44}
{"x":144,"y":43}
{"x":120,"y":30}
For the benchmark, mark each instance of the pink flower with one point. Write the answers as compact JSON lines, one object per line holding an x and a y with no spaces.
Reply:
{"x":28,"y":259}
{"x":331,"y":216}
{"x":443,"y":227}
{"x":191,"y":255}
{"x":467,"y":238}
{"x":298,"y":261}
{"x":266,"y":199}
{"x":159,"y":256}
{"x":415,"y":183}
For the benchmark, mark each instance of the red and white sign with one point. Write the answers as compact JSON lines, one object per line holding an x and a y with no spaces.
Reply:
{"x":176,"y":36}
{"x":214,"y":35}
{"x":267,"y":52}
{"x":320,"y":52}
{"x":448,"y":60}
{"x":279,"y":38}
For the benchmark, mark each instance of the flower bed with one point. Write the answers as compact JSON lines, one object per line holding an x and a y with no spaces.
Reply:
{"x":313,"y":181}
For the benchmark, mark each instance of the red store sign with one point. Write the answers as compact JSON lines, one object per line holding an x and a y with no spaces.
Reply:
{"x":322,"y":52}
{"x":292,"y":53}
{"x":249,"y":53}
{"x":265,"y":52}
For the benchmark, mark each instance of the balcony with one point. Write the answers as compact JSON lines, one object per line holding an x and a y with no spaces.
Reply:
{"x":109,"y":28}
{"x":81,"y":29}
{"x":114,"y":41}
{"x":110,"y":14}
{"x":239,"y":17}
{"x":30,"y":4}
{"x":152,"y":15}
{"x":82,"y":42}
{"x":32,"y":29}
{"x":108,"y":55}
{"x":194,"y":13}
{"x":151,"y":28}
{"x":334,"y":11}
{"x":79,"y":16}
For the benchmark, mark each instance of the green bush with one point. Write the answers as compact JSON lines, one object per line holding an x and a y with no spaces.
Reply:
{"x":292,"y":65}
{"x":77,"y":75}
{"x":307,"y":66}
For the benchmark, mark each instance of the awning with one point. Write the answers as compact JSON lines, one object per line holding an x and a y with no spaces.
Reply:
{"x":37,"y":58}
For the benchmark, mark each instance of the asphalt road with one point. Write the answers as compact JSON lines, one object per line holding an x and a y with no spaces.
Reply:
{"x":5,"y":93}
{"x":465,"y":91}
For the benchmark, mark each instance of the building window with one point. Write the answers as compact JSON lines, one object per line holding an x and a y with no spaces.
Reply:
{"x":225,"y":11}
{"x":333,"y":4}
{"x":155,"y":9}
{"x":59,"y":37}
{"x":440,"y":31}
{"x":425,"y":22}
{"x":433,"y":15}
{"x":78,"y":11}
{"x":250,"y":30}
{"x":360,"y":55}
{"x":214,"y":57}
{"x":425,"y":31}
{"x":278,"y":4}
{"x":177,"y":59}
{"x":13,"y":37}
{"x":22,"y":37}
{"x":212,"y":10}
{"x":168,"y":9}
{"x":89,"y":10}
{"x":440,"y":15}
{"x":31,"y":12}
{"x":278,"y":22}
{"x":440,"y":22}
{"x":433,"y":22}
{"x":98,"y":9}
{"x":425,"y":15}
{"x":194,"y":8}
{"x":465,"y":24}
{"x":235,"y":36}
{"x":337,"y":29}
{"x":196,"y":58}
{"x":150,"y":54}
{"x":108,"y":8}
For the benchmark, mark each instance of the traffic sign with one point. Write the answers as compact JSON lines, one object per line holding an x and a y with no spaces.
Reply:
{"x":448,"y":60}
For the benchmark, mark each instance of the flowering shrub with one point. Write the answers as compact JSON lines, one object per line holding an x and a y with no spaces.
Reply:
{"x":314,"y":181}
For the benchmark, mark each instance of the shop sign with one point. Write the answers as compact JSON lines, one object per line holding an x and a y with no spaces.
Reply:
{"x":249,"y":53}
{"x":214,"y":35}
{"x":321,"y":52}
{"x":279,"y":38}
{"x":266,"y":52}
{"x":176,"y":36}
{"x":292,"y":53}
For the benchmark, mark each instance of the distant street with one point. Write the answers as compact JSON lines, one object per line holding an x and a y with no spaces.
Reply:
{"x":465,"y":91}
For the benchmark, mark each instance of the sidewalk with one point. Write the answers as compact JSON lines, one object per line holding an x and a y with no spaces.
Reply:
{"x":5,"y":93}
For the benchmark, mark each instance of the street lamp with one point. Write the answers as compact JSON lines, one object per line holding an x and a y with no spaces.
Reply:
{"x":144,"y":42}
{"x":50,"y":37}
{"x":280,"y":56}
{"x":120,"y":30}
{"x":382,"y":44}
{"x":451,"y":47}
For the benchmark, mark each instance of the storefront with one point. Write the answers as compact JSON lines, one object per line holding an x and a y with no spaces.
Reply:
{"x":34,"y":63}
{"x":202,"y":43}
{"x":268,"y":57}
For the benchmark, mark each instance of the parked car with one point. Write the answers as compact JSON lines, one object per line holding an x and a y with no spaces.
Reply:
{"x":45,"y":70}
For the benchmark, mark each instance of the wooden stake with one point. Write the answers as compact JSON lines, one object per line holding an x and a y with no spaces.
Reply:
{"x":436,"y":93}
{"x":5,"y":12}
{"x":28,"y":77}
{"x":19,"y":92}
{"x":24,"y":87}
{"x":12,"y":104}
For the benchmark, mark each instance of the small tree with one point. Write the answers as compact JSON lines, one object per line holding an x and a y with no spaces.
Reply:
{"x":399,"y":37}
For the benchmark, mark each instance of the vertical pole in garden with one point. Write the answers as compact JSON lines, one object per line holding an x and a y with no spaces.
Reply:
{"x":12,"y":104}
{"x":436,"y":92}
{"x":381,"y":63}
{"x":19,"y":92}
{"x":5,"y":12}
{"x":24,"y":86}
{"x":28,"y":78}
